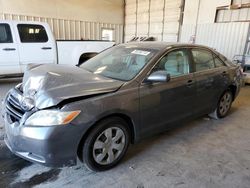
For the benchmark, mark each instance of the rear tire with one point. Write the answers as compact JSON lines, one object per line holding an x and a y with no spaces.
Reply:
{"x":223,"y":106}
{"x":106,"y":144}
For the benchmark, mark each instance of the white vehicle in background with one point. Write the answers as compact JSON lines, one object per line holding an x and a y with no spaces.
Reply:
{"x":246,"y":73}
{"x":238,"y":59}
{"x":25,"y":42}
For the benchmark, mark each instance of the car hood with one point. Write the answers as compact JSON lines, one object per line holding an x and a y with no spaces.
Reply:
{"x":48,"y":85}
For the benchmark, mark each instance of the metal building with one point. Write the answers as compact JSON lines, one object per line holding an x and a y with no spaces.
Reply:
{"x":153,"y":18}
{"x":94,"y":20}
{"x":222,"y":25}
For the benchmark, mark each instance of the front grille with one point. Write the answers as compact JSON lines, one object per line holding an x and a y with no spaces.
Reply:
{"x":13,"y":108}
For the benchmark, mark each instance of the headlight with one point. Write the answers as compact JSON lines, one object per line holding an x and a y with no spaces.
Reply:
{"x":51,"y":118}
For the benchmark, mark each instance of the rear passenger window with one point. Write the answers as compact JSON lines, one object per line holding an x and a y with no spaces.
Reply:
{"x":5,"y":34}
{"x":203,"y":60}
{"x":218,"y":62}
{"x":32,"y":33}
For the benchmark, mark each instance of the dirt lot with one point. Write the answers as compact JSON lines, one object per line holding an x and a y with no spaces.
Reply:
{"x":203,"y":153}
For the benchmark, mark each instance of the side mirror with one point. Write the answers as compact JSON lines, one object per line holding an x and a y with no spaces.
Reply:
{"x":158,"y":76}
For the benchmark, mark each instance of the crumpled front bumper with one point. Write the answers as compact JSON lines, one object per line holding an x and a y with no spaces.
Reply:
{"x":50,"y":146}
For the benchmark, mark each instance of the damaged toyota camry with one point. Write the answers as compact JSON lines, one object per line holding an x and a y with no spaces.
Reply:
{"x":93,"y":112}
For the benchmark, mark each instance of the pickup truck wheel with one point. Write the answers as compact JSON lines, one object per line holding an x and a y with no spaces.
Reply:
{"x":106,"y":145}
{"x":223,"y":106}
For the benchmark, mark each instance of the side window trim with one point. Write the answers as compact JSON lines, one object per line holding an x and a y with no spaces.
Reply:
{"x":8,"y":27}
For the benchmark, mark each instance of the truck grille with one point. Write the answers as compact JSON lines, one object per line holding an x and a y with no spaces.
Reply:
{"x":13,"y":108}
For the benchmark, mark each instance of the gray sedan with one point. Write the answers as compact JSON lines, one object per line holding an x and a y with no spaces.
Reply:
{"x":93,"y":112}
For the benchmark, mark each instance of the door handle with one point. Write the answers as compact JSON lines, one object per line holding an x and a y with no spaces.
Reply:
{"x":189,"y":83}
{"x":46,"y":48}
{"x":9,"y":49}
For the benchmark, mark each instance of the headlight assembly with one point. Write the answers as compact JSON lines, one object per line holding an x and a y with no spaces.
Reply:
{"x":51,"y":118}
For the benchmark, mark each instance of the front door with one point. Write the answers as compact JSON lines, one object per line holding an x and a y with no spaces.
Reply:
{"x":9,"y":58}
{"x":163,"y":104}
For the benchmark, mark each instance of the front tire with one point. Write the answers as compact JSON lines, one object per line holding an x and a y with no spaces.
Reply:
{"x":223,"y":106}
{"x":106,"y":145}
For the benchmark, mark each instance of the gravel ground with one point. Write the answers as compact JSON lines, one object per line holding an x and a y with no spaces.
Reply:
{"x":202,"y":153}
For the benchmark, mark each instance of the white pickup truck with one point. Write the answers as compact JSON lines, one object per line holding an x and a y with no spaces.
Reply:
{"x":25,"y":42}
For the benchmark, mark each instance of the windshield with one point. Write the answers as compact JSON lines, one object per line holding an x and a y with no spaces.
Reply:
{"x":120,"y":62}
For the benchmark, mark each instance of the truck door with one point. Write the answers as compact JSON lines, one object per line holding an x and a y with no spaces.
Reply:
{"x":9,"y":58}
{"x":36,"y":44}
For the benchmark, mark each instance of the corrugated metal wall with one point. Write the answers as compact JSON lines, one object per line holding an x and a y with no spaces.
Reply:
{"x":130,"y":19}
{"x":227,"y":38}
{"x":72,"y":29}
{"x":157,"y":18}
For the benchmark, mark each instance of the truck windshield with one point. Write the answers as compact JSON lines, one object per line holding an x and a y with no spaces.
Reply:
{"x":120,"y":62}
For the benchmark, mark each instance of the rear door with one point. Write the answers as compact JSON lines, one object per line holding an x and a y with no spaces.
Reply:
{"x":211,"y":76}
{"x":164,"y":104}
{"x":9,"y":58}
{"x":35,"y":45}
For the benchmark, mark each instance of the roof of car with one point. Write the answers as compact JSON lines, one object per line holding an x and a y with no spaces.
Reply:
{"x":160,"y":45}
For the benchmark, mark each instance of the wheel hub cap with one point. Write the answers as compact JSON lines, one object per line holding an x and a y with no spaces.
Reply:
{"x":225,"y":103}
{"x":109,"y":145}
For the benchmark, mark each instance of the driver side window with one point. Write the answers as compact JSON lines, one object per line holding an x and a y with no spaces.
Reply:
{"x":175,"y":63}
